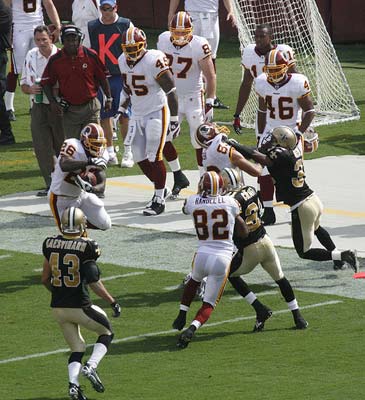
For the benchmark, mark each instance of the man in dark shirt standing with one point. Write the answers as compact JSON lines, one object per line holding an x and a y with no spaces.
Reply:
{"x":69,"y":267}
{"x":6,"y":134}
{"x":79,"y":72}
{"x":105,"y":35}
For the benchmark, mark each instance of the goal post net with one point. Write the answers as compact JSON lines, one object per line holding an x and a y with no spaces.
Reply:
{"x":299,"y":24}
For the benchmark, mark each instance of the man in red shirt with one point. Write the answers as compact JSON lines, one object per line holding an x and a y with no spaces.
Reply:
{"x":76,"y":72}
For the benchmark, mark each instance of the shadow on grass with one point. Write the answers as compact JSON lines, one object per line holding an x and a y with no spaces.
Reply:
{"x":157,"y":344}
{"x":15,"y":286}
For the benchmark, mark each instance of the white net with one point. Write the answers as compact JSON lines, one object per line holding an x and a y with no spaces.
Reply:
{"x":298,"y":24}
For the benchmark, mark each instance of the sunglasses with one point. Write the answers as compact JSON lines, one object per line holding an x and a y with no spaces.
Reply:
{"x":106,"y":9}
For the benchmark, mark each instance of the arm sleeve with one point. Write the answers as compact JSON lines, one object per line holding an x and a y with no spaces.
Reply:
{"x":91,"y":271}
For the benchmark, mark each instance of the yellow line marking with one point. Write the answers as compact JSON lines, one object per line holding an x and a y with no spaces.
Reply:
{"x":142,"y":186}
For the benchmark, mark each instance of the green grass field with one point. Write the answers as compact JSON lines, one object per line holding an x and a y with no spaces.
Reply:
{"x":225,"y":360}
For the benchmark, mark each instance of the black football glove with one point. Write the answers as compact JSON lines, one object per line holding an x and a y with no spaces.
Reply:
{"x":237,"y":124}
{"x":116,"y":309}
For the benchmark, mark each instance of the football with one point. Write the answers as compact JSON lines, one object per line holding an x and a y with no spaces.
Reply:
{"x":93,"y":175}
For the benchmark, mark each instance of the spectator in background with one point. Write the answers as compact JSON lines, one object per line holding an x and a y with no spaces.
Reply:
{"x":46,"y":127}
{"x":84,"y":11}
{"x":27,"y":15}
{"x":105,"y":35}
{"x":204,"y":14}
{"x":6,"y":134}
{"x":79,"y":73}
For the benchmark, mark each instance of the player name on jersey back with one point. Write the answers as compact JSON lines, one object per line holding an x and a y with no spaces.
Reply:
{"x":210,"y":200}
{"x":66,"y":244}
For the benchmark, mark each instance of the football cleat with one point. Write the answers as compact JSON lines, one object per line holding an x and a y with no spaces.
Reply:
{"x":75,"y":392}
{"x":185,"y":337}
{"x":91,"y":374}
{"x":338,"y":265}
{"x":127,"y":160}
{"x":157,"y":207}
{"x":350,"y":257}
{"x":113,"y":159}
{"x":218,"y":104}
{"x":166,"y":195}
{"x":261,"y":317}
{"x":180,"y":183}
{"x":180,"y":321}
{"x":268,"y":218}
{"x":300,"y":322}
{"x":11,"y":115}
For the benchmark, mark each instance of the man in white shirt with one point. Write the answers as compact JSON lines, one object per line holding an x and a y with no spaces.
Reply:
{"x":84,"y":11}
{"x":46,"y":127}
{"x":204,"y":14}
{"x":27,"y":15}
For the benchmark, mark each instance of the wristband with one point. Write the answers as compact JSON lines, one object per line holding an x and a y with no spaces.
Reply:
{"x":174,"y":118}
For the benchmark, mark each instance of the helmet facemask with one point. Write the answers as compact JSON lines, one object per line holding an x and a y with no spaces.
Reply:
{"x":181,"y":29}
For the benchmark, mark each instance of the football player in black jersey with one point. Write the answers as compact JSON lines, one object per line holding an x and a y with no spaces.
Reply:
{"x":256,"y":248}
{"x":282,"y":153}
{"x":69,"y":267}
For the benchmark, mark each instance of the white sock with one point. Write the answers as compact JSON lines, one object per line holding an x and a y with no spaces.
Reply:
{"x":98,"y":353}
{"x":127,"y":149}
{"x":175,"y":165}
{"x":336,"y":254}
{"x":184,"y":307}
{"x":111,"y":150}
{"x":250,"y":298}
{"x":160,"y":193}
{"x":196,"y":323}
{"x":74,"y":369}
{"x":293,"y":305}
{"x":9,"y":100}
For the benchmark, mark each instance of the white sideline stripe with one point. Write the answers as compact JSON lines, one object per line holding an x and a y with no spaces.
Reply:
{"x":38,"y":270}
{"x":5,"y":256}
{"x":260,"y":294}
{"x":109,"y":278}
{"x":227,"y":321}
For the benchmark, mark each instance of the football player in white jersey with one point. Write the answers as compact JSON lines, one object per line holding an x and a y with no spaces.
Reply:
{"x":215,"y":218}
{"x":282,"y":96}
{"x":253,"y":62}
{"x":205,"y":16}
{"x":149,"y":82}
{"x":27,"y":15}
{"x":218,"y":152}
{"x":190,"y":60}
{"x":69,"y":189}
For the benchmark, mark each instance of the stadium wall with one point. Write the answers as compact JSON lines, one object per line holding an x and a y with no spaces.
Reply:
{"x":344,"y":20}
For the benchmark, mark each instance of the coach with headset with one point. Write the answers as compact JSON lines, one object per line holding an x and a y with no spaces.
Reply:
{"x":78,"y":72}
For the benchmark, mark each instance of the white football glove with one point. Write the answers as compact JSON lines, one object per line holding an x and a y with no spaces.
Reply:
{"x":174,"y":127}
{"x":83,"y":185}
{"x":98,"y":161}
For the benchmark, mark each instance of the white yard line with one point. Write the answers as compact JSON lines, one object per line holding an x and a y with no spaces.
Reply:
{"x":228,"y":321}
{"x":109,"y":278}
